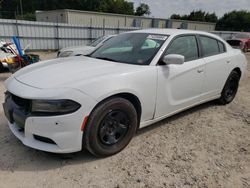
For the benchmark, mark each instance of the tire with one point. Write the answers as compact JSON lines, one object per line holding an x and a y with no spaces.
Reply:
{"x":230,"y":89}
{"x":1,"y":67}
{"x":110,"y":127}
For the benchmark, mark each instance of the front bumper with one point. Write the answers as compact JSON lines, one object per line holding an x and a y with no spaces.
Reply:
{"x":59,"y":130}
{"x":57,"y":134}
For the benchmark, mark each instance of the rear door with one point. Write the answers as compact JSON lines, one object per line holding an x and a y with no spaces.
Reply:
{"x":217,"y":69}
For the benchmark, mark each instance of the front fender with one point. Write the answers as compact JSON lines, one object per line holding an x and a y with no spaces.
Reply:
{"x":142,"y":84}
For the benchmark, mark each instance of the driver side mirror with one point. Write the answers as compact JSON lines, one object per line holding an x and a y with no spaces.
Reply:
{"x":175,"y":59}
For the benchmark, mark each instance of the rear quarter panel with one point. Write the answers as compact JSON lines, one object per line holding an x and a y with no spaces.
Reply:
{"x":238,"y":60}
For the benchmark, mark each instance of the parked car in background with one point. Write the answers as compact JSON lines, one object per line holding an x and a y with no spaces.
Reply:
{"x":240,"y":41}
{"x":83,"y":50}
{"x":7,"y":50}
{"x":135,"y":79}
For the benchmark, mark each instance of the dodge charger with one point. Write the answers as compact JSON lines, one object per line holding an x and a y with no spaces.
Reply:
{"x":99,"y":101}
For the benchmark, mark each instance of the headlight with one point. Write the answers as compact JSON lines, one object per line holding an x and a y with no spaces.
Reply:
{"x":65,"y":54}
{"x":54,"y":107}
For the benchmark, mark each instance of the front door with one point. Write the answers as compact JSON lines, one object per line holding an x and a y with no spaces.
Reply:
{"x":180,"y":86}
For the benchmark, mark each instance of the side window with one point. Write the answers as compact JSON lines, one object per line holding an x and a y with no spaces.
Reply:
{"x":209,"y":46}
{"x":221,"y":47}
{"x":186,"y":46}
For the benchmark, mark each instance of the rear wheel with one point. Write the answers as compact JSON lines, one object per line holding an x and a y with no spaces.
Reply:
{"x":110,"y":127}
{"x":230,"y":89}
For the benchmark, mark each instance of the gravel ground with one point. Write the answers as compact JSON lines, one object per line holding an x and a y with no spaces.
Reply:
{"x":206,"y":146}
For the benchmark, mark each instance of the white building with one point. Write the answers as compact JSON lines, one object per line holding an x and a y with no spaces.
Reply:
{"x":98,"y":19}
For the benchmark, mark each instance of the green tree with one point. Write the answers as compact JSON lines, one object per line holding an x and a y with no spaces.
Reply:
{"x":142,"y":10}
{"x":234,"y":21}
{"x":12,"y":7}
{"x":176,"y":16}
{"x":198,"y":15}
{"x":27,"y":16}
{"x":119,"y":7}
{"x":211,"y":17}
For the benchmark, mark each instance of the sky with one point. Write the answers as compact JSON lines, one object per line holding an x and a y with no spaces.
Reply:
{"x":165,"y":8}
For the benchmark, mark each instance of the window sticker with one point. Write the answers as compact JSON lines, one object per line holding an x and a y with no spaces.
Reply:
{"x":157,"y":37}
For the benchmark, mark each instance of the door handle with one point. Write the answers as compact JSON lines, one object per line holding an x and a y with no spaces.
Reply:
{"x":200,"y":70}
{"x":228,"y":61}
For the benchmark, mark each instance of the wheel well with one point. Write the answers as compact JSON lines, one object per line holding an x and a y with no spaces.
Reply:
{"x":134,"y":100}
{"x":131,"y":98}
{"x":238,"y":71}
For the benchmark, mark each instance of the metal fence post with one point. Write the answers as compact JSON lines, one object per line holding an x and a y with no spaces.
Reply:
{"x":103,"y":27}
{"x":90,"y":30}
{"x":17,"y":30}
{"x":118,"y":28}
{"x":57,"y":42}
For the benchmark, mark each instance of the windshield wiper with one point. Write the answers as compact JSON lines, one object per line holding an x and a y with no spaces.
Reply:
{"x":106,"y":58}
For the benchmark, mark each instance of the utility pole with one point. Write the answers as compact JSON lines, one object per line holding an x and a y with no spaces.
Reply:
{"x":21,"y":8}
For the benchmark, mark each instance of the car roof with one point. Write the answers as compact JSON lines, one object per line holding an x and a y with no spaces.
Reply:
{"x":110,"y":35}
{"x":174,"y":32}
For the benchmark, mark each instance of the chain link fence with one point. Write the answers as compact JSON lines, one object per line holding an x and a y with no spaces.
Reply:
{"x":54,"y":36}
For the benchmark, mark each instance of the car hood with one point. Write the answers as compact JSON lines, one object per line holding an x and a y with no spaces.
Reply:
{"x":70,"y":72}
{"x":77,"y":48}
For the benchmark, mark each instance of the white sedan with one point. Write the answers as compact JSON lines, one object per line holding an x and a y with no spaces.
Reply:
{"x":83,"y":50}
{"x":135,"y":79}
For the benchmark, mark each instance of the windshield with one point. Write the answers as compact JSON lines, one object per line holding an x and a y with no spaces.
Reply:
{"x":242,"y":36}
{"x":131,"y":48}
{"x":97,"y":41}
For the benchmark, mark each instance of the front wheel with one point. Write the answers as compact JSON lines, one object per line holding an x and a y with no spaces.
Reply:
{"x":110,"y":127}
{"x":230,"y":89}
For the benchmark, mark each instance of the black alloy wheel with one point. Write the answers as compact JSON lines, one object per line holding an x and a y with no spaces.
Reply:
{"x":110,"y":127}
{"x":114,"y":127}
{"x":230,"y":89}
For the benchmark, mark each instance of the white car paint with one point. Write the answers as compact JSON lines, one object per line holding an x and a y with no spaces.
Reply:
{"x":161,"y":90}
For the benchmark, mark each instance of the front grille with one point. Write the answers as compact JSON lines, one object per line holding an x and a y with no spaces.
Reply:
{"x":16,"y":110}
